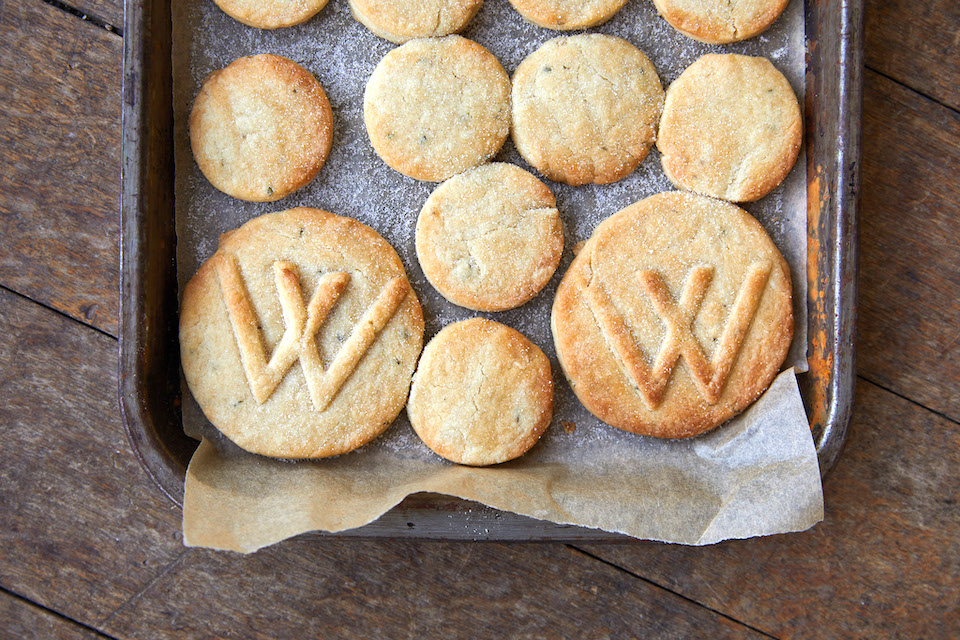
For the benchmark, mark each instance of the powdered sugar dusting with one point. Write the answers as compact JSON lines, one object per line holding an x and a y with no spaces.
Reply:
{"x":342,"y":54}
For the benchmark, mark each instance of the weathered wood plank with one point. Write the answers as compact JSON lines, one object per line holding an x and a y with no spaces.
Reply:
{"x":347,"y":588}
{"x":109,"y":11}
{"x":26,"y":621}
{"x":83,"y":527}
{"x":909,"y":331}
{"x":885,"y":562}
{"x":60,"y":152}
{"x":918,"y":43}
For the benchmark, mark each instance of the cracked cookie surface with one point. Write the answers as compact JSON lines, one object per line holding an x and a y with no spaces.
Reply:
{"x":565,"y":15}
{"x":674,"y":316}
{"x":402,"y":20}
{"x":490,"y":238}
{"x":720,"y":21}
{"x":436,"y":106}
{"x":731,"y":128}
{"x":482,"y":393}
{"x":299,"y":336}
{"x":271,"y":14}
{"x":586,"y":108}
{"x":261,"y":128}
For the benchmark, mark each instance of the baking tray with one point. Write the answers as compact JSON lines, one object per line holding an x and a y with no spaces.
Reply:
{"x":149,"y":366}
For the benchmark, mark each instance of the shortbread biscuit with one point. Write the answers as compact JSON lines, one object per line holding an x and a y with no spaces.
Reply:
{"x":731,"y":128}
{"x":436,"y":106}
{"x":402,"y":20}
{"x":585,"y":108}
{"x":490,"y":238}
{"x":271,"y":14}
{"x":674,"y":316}
{"x":299,"y":336}
{"x":720,"y":21}
{"x":567,"y":14}
{"x":482,"y":393}
{"x":261,"y":128}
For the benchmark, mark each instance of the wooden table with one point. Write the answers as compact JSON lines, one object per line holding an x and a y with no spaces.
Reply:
{"x":90,"y":548}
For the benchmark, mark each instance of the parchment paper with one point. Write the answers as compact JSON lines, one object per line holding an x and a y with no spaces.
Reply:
{"x":756,"y":475}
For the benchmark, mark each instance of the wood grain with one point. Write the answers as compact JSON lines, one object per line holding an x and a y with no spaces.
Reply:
{"x":909,"y":331}
{"x":884,"y":563}
{"x":917,"y":43}
{"x":60,"y":151}
{"x":109,"y":11}
{"x":83,"y":527}
{"x":348,"y":589}
{"x":26,"y":621}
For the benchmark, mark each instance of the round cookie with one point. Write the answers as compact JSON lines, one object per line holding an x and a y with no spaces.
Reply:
{"x":565,"y":15}
{"x":482,"y":393}
{"x":731,"y":128}
{"x":720,"y":21}
{"x":490,"y":238}
{"x":299,"y":336}
{"x":585,"y":108}
{"x":436,"y":106}
{"x":261,"y":128}
{"x":271,"y":14}
{"x":402,"y":20}
{"x":674,"y":316}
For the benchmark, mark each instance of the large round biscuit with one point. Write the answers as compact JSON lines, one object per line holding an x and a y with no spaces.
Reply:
{"x":720,"y":21}
{"x":566,"y":15}
{"x":490,"y":238}
{"x":731,"y":128}
{"x":402,"y":20}
{"x":646,"y":321}
{"x":482,"y":393}
{"x":585,"y":108}
{"x":261,"y":128}
{"x":271,"y":14}
{"x":436,"y":106}
{"x":299,"y":336}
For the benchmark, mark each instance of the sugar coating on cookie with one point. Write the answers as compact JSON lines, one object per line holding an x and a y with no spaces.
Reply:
{"x":271,"y":14}
{"x":436,"y":106}
{"x":567,"y":14}
{"x":731,"y":128}
{"x":585,"y":108}
{"x":261,"y":128}
{"x":674,"y":316}
{"x":402,"y":20}
{"x":490,"y":238}
{"x":300,"y":335}
{"x":482,"y":393}
{"x":720,"y":21}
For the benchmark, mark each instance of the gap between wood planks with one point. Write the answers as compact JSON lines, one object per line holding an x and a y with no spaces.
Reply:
{"x":913,"y":89}
{"x":56,"y":311}
{"x":86,"y":17}
{"x":659,"y":586}
{"x":55,"y":614}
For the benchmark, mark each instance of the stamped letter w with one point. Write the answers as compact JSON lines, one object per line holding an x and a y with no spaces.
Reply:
{"x":301,"y":324}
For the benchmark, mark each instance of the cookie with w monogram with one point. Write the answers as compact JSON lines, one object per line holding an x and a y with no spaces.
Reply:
{"x":299,"y":336}
{"x":674,"y":317}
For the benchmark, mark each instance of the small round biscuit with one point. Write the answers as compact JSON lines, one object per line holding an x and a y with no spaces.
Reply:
{"x":674,"y":316}
{"x":720,"y":21}
{"x":271,"y":14}
{"x":261,"y":128}
{"x":731,"y":128}
{"x":300,"y":335}
{"x":565,"y":15}
{"x":490,"y":238}
{"x":482,"y":393}
{"x":436,"y":106}
{"x":402,"y":20}
{"x":585,"y":108}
